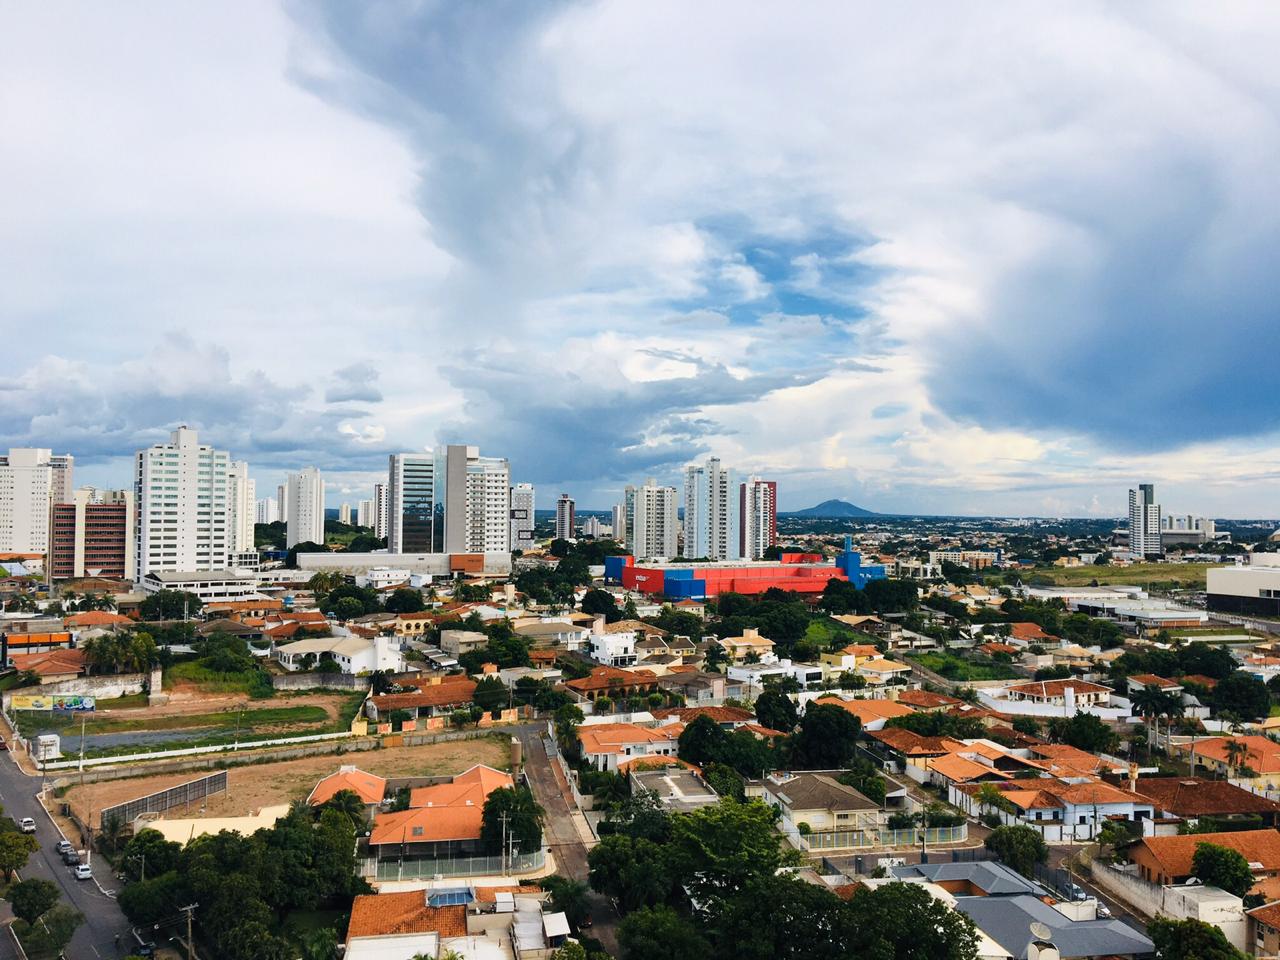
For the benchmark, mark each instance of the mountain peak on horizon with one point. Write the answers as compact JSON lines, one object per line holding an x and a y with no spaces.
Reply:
{"x":836,"y":509}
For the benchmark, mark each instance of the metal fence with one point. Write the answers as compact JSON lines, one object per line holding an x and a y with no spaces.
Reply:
{"x":183,"y":793}
{"x":854,"y":839}
{"x":451,"y":866}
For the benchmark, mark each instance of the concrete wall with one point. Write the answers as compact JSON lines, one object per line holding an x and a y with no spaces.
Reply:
{"x":1216,"y":907}
{"x":319,"y":681}
{"x":104,"y":688}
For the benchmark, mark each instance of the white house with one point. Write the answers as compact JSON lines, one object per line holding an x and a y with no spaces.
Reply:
{"x":355,"y":655}
{"x":554,"y":633}
{"x":614,"y":649}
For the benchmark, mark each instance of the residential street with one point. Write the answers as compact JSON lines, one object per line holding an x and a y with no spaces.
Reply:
{"x":552,"y":792}
{"x":103,"y":921}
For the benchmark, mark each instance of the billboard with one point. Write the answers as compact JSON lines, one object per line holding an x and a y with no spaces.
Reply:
{"x":54,"y":701}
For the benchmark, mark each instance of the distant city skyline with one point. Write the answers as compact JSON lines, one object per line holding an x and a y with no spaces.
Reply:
{"x":987,"y":277}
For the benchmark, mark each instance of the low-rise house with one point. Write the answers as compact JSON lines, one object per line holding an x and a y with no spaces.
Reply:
{"x":97,"y":620}
{"x":606,"y":745}
{"x":1061,"y":693}
{"x":750,"y":647}
{"x":848,"y":657}
{"x":926,"y":701}
{"x":1264,"y":930}
{"x":1142,"y":681}
{"x":443,"y":820}
{"x":636,"y":628}
{"x":1168,"y":860}
{"x":676,"y":787}
{"x":613,"y":683}
{"x":872,"y":714}
{"x":700,"y":687}
{"x":1031,"y":633}
{"x":884,"y":671}
{"x":355,"y":655}
{"x":457,"y":642}
{"x":238,"y":609}
{"x":730,"y":718}
{"x":905,"y":748}
{"x":818,"y":812}
{"x":1192,"y":799}
{"x":1258,"y":764}
{"x":369,"y":787}
{"x":613,"y":649}
{"x":1062,"y":810}
{"x":554,"y":633}
{"x":436,"y":696}
{"x":53,"y":666}
{"x":415,"y":624}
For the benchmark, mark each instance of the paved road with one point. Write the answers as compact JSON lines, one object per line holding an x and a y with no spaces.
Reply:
{"x":103,"y":920}
{"x":552,"y":792}
{"x":1119,"y":909}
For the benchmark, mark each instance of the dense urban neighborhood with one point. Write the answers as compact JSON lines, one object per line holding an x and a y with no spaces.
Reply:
{"x":452,"y":726}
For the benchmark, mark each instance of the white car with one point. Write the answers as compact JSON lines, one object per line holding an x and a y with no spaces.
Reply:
{"x":64,"y":846}
{"x":27,"y":825}
{"x":82,"y":871}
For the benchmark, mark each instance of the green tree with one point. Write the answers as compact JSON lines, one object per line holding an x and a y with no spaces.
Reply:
{"x":568,"y":897}
{"x":659,"y":933}
{"x":702,"y":741}
{"x":1019,"y":848}
{"x":597,"y":602}
{"x":321,"y":944}
{"x":1222,"y":867}
{"x":1190,"y":940}
{"x":1243,"y":695}
{"x":761,"y":923}
{"x":348,"y":608}
{"x":523,"y":827}
{"x":350,"y":805}
{"x":631,"y":870}
{"x":15,"y":849}
{"x":1083,"y":731}
{"x":905,"y":922}
{"x":827,"y":738}
{"x":405,"y":600}
{"x":151,"y":900}
{"x":170,"y":605}
{"x":31,"y":899}
{"x":776,"y":710}
{"x":149,"y":854}
{"x":491,"y":694}
{"x":718,"y":849}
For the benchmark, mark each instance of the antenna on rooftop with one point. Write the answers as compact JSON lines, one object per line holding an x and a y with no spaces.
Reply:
{"x":1041,"y":947}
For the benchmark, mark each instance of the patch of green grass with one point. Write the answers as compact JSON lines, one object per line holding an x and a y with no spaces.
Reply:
{"x":830,"y":635}
{"x":127,"y":702}
{"x":9,"y":681}
{"x":1190,"y":575}
{"x":954,"y":668}
{"x":250,"y":720}
{"x":193,"y":671}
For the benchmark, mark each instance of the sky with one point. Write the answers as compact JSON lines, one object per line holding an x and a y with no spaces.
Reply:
{"x":926,"y":257}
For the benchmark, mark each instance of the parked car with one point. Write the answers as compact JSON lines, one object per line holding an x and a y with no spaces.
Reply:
{"x":1073,"y":891}
{"x":1104,"y":912}
{"x":82,"y":871}
{"x":27,"y":825}
{"x":63,"y":846}
{"x":70,"y":857}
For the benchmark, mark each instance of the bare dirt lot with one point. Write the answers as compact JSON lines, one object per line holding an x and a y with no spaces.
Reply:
{"x":188,"y":698}
{"x":250,"y":788}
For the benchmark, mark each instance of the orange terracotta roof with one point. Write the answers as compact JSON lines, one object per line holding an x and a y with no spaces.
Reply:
{"x":1196,"y":797}
{"x":994,"y":647}
{"x":653,"y":762}
{"x":761,"y":732}
{"x":469,"y":788}
{"x":443,"y":694}
{"x":1028,"y":631}
{"x":1263,"y":755}
{"x":490,"y":894}
{"x":960,"y":769}
{"x":718,"y":714}
{"x":1200,"y":680}
{"x":381,"y":914}
{"x":614,"y":737}
{"x":861,"y":650}
{"x":926,"y":699}
{"x":1268,"y":914}
{"x":50,"y":663}
{"x":95,"y":618}
{"x":1056,"y":688}
{"x":367,"y":786}
{"x":605,"y":678}
{"x":867,"y":711}
{"x":428,"y":824}
{"x":1174,"y":854}
{"x":1151,"y":680}
{"x":913,"y":745}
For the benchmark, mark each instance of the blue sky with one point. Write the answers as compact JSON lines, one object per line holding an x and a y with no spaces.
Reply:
{"x":924,"y":257}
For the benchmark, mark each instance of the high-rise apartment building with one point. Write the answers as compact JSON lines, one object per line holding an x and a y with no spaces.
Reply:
{"x":241,"y":507}
{"x":566,"y":519}
{"x":650,"y":520}
{"x":364,"y":513}
{"x":266,"y":511}
{"x":1144,"y":522}
{"x":32,"y":479}
{"x":711,"y":528}
{"x":757,"y":516}
{"x":522,"y":507}
{"x":305,"y":495}
{"x":595,"y":528}
{"x":344,"y":513}
{"x":381,"y":511}
{"x":477,"y":502}
{"x":620,"y":523}
{"x":282,"y":503}
{"x":415,"y":504}
{"x":93,"y":536}
{"x":181,"y":500}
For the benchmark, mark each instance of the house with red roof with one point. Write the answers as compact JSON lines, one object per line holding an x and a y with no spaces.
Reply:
{"x":443,"y":820}
{"x":369,"y":787}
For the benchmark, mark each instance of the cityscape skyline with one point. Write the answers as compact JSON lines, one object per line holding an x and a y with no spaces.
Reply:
{"x":933,"y":311}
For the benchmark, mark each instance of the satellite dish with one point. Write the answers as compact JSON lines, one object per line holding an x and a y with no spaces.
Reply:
{"x":1040,"y":931}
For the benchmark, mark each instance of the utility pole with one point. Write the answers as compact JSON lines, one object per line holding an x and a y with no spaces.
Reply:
{"x":504,"y":819}
{"x":191,"y":944}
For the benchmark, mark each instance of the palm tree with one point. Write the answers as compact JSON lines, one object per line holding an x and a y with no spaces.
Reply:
{"x":1148,"y":703}
{"x":349,"y":803}
{"x":1236,"y":752}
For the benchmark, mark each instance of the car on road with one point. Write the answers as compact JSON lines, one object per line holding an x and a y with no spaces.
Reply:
{"x":27,"y":825}
{"x":1073,"y":891}
{"x":1104,"y":912}
{"x":70,"y":857}
{"x":63,"y":846}
{"x":82,"y":871}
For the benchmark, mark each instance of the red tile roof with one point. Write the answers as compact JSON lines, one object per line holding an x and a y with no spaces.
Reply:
{"x":1056,"y":688}
{"x":925,"y":699}
{"x":1030,"y":632}
{"x":52,"y":663}
{"x":1175,"y":854}
{"x":606,"y":678}
{"x":1196,"y":797}
{"x":1263,"y":755}
{"x":1151,"y":680}
{"x":381,"y":914}
{"x":367,"y":786}
{"x":718,"y":714}
{"x":450,"y":691}
{"x":96,"y":618}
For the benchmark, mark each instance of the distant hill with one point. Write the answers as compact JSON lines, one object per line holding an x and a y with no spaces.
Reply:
{"x":833,"y":510}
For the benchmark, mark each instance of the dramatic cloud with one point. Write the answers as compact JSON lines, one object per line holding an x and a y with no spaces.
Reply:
{"x":921,"y":256}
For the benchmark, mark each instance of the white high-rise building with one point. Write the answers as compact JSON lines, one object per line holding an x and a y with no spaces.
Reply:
{"x":381,"y":511}
{"x":595,"y":528}
{"x":182,"y":506}
{"x":566,"y":518}
{"x":266,"y":511}
{"x":620,"y":523}
{"x":477,"y":501}
{"x":650,"y":520}
{"x":364,"y":513}
{"x":305,"y":496}
{"x":1144,"y":522}
{"x":241,"y":507}
{"x":344,"y":513}
{"x":711,"y":513}
{"x":32,"y":480}
{"x":758,"y":516}
{"x":415,"y":518}
{"x":282,"y":503}
{"x":522,"y":507}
